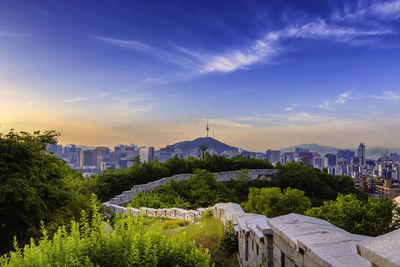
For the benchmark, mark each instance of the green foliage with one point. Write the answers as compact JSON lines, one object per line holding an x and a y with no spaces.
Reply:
{"x":200,"y":190}
{"x":202,"y":153}
{"x":172,"y":224}
{"x":243,"y":175}
{"x":272,"y":202}
{"x":318,"y":186}
{"x":229,"y":241}
{"x":36,"y":186}
{"x":372,"y":217}
{"x":113,"y":182}
{"x":208,"y":213}
{"x":94,"y":243}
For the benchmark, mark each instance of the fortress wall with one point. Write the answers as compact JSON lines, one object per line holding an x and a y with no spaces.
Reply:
{"x":289,"y":240}
{"x":127,"y":196}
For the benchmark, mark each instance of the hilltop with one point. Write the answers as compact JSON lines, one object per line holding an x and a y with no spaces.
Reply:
{"x":187,"y":148}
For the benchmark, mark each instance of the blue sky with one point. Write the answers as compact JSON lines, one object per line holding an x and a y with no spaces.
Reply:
{"x":267,"y":74}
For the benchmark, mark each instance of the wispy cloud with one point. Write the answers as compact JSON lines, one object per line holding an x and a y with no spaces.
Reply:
{"x":382,"y":10}
{"x":326,"y":105}
{"x":262,"y":50}
{"x":341,"y":99}
{"x":387,"y":95}
{"x":227,"y":123}
{"x":130,"y":44}
{"x":102,"y":94}
{"x":77,"y":99}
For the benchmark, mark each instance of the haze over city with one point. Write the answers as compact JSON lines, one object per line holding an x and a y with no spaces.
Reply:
{"x":266,"y":75}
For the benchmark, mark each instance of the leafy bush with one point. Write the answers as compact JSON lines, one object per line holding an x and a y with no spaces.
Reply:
{"x":94,"y":243}
{"x":272,"y":202}
{"x":36,"y":186}
{"x":201,"y":190}
{"x":229,"y":241}
{"x":371,"y":217}
{"x":318,"y":186}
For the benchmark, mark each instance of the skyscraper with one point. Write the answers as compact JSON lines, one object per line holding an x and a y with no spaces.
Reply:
{"x":146,"y":154}
{"x":361,"y":153}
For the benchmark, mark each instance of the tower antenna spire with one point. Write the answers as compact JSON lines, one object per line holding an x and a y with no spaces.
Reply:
{"x":213,"y":134}
{"x":207,"y":128}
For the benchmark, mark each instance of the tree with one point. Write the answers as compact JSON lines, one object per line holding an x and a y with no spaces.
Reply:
{"x":371,"y":217}
{"x":272,"y":202}
{"x":318,"y":186}
{"x":202,"y":152}
{"x":243,"y":175}
{"x":36,"y":186}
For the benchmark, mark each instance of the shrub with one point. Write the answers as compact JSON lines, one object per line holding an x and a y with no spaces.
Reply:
{"x":229,"y":241}
{"x":93,"y":242}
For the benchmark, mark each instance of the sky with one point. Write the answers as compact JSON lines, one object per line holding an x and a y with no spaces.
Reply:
{"x":266,"y":74}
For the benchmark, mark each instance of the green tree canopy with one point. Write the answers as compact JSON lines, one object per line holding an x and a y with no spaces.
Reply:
{"x":372,"y":217}
{"x":35,"y":186}
{"x":272,"y":202}
{"x":317,"y":185}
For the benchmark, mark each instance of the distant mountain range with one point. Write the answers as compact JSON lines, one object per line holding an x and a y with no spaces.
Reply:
{"x":187,"y":148}
{"x":372,"y":153}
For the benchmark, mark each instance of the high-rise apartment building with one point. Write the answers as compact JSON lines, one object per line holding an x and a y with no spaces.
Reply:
{"x":329,"y":160}
{"x":86,"y":158}
{"x":345,"y":154}
{"x":361,"y":154}
{"x":146,"y":154}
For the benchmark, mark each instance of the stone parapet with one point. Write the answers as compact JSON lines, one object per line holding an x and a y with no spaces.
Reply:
{"x":289,"y":240}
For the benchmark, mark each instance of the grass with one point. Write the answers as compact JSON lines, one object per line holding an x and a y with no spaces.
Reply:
{"x":206,"y":232}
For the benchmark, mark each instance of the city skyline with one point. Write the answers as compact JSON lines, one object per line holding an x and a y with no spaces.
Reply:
{"x":284,"y":74}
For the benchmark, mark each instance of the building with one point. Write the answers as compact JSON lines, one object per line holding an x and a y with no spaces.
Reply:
{"x":307,"y":156}
{"x":389,"y":189}
{"x":146,"y":154}
{"x":345,"y":154}
{"x":329,"y":160}
{"x":273,"y":156}
{"x":99,"y":153}
{"x":361,"y":154}
{"x":86,"y":158}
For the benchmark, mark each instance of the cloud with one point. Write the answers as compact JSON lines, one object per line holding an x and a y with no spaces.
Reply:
{"x":288,"y":108}
{"x":386,"y":10}
{"x":387,"y":95}
{"x":325,"y":105}
{"x":77,"y":99}
{"x":320,"y":29}
{"x":341,"y":99}
{"x":383,"y":10}
{"x":273,"y":120}
{"x":102,"y":94}
{"x":227,"y":123}
{"x":261,"y":50}
{"x":130,"y":44}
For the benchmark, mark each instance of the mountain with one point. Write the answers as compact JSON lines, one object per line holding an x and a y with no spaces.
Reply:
{"x":188,"y":148}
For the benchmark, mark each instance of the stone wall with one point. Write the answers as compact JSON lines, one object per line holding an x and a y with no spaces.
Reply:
{"x":290,"y":240}
{"x":127,"y":196}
